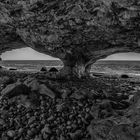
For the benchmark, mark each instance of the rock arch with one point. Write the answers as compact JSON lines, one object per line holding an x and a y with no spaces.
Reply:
{"x":78,"y":32}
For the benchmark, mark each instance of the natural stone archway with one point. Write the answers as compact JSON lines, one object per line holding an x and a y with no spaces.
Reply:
{"x":78,"y":32}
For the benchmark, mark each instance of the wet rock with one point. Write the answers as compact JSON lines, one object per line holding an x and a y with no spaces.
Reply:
{"x":15,"y":89}
{"x":11,"y":133}
{"x":43,"y":89}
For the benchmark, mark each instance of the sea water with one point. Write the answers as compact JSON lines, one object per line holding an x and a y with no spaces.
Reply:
{"x":31,"y":65}
{"x":112,"y":67}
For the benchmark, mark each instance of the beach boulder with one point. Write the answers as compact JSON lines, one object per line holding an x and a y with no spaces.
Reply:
{"x":12,"y":69}
{"x":124,"y":76}
{"x":15,"y":89}
{"x":111,"y":129}
{"x":43,"y":89}
{"x":53,"y":70}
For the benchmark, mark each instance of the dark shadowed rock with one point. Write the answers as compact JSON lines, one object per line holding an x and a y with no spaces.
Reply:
{"x":124,"y":76}
{"x":53,"y":69}
{"x":43,"y":69}
{"x":12,"y":69}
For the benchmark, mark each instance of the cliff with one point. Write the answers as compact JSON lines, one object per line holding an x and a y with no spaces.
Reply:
{"x":79,"y":32}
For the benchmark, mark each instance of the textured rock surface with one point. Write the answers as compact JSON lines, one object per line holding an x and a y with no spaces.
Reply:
{"x":78,"y":32}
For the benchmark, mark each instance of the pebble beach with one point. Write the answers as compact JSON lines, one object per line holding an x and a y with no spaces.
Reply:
{"x":35,"y":107}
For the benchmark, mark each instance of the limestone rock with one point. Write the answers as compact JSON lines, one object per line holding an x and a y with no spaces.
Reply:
{"x":111,"y":129}
{"x":43,"y":89}
{"x":34,"y":85}
{"x":15,"y":90}
{"x":11,"y":133}
{"x":77,"y":32}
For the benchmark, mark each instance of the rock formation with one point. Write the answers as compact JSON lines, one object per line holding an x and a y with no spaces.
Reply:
{"x":78,"y":32}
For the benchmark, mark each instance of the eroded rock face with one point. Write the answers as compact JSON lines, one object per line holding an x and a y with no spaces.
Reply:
{"x":78,"y":32}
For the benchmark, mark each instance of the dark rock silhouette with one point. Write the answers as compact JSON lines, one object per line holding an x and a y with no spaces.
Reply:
{"x":43,"y":69}
{"x":12,"y":69}
{"x":53,"y":69}
{"x":124,"y":76}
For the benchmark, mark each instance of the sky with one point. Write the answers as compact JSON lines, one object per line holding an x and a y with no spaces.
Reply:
{"x":25,"y":54}
{"x":30,"y":54}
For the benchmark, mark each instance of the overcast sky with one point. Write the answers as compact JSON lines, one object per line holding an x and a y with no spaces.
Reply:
{"x":25,"y":54}
{"x":30,"y":54}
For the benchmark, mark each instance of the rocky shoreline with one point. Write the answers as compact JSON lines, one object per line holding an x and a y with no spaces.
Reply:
{"x":35,"y":107}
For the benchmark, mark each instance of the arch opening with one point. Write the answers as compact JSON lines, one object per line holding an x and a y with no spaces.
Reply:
{"x":28,"y":59}
{"x":118,"y":64}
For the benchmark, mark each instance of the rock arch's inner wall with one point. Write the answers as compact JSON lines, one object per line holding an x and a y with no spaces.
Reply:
{"x":78,"y":32}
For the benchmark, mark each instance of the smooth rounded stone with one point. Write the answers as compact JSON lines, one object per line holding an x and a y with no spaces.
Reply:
{"x":62,"y":137}
{"x":38,"y":137}
{"x":59,"y":107}
{"x":31,"y":120}
{"x":68,"y":122}
{"x":76,"y":135}
{"x":46,"y":130}
{"x":2,"y":122}
{"x":4,"y":137}
{"x":30,"y":133}
{"x":20,"y":131}
{"x":50,"y":118}
{"x":32,"y":125}
{"x":11,"y":133}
